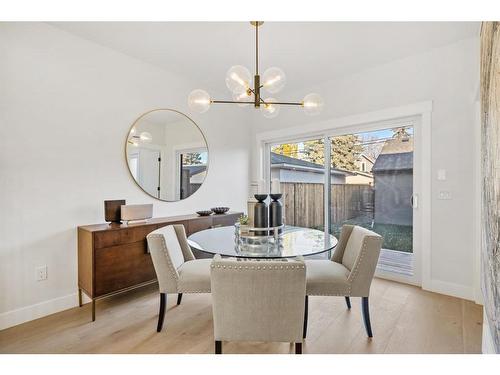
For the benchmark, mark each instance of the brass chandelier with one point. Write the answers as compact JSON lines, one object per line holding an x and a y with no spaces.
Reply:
{"x":238,"y":81}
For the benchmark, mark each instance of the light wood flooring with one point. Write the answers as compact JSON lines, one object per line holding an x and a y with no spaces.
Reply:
{"x":405,"y":319}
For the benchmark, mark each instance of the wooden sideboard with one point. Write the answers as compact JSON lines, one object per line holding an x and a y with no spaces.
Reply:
{"x":113,"y":258}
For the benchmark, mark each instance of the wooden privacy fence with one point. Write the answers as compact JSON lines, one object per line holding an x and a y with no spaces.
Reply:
{"x":303,"y":203}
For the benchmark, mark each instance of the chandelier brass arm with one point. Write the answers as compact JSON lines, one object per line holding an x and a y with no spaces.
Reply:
{"x":262,"y":101}
{"x":286,"y":103}
{"x":229,"y":102}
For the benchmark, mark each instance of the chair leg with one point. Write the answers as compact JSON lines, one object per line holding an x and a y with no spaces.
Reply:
{"x":161,"y":314}
{"x":348,"y":302}
{"x":366,"y":316}
{"x":179,"y":298}
{"x":218,"y":347}
{"x":306,"y":311}
{"x":298,"y":348}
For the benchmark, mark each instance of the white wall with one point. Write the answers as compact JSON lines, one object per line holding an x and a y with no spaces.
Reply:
{"x":66,"y":106}
{"x":449,"y":77}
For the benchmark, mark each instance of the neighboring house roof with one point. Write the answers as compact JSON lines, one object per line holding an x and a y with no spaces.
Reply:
{"x":397,"y":146}
{"x":195,"y":169}
{"x":396,"y":155}
{"x":393,"y":162}
{"x":286,"y":162}
{"x":367,"y":158}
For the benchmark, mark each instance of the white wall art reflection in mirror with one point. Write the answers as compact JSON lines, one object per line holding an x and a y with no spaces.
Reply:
{"x":167,"y":154}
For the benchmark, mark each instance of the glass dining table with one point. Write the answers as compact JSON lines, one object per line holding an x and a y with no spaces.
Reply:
{"x":293,"y":242}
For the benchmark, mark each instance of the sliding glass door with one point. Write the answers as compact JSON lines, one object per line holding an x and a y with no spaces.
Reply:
{"x":361,"y":178}
{"x":376,"y":191}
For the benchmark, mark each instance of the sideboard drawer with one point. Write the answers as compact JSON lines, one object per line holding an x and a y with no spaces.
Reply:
{"x":122,"y":236}
{"x":199,"y":224}
{"x":224,"y":220}
{"x":122,"y":266}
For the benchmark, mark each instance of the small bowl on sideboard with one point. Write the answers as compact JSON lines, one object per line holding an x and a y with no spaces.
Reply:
{"x":204,"y":213}
{"x":220,"y":210}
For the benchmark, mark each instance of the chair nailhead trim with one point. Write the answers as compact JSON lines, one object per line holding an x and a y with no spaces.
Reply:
{"x":173,"y":272}
{"x":355,"y":271}
{"x":258,"y":267}
{"x":193,"y":291}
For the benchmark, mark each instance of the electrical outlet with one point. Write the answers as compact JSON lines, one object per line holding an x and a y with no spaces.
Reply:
{"x":441,"y":174}
{"x":41,"y":273}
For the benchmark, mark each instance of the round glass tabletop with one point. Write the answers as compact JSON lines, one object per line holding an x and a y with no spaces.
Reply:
{"x":293,"y":242}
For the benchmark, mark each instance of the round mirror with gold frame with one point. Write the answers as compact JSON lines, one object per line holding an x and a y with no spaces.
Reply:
{"x":167,"y":154}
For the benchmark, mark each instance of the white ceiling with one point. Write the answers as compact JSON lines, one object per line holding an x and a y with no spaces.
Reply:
{"x":308,"y":52}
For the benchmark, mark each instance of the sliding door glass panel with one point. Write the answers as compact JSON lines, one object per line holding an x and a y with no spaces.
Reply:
{"x":372,"y":186}
{"x":299,"y":167}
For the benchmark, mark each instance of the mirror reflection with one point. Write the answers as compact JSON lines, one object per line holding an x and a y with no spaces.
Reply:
{"x":167,"y":154}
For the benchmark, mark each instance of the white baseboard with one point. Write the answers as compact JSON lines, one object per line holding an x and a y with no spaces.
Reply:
{"x":488,"y":347}
{"x":396,"y":277}
{"x":436,"y":286}
{"x":38,"y":310}
{"x":450,"y":289}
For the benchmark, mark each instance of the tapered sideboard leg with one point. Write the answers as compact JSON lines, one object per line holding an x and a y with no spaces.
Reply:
{"x":80,"y":297}
{"x":298,"y":348}
{"x":218,"y":347}
{"x":93,"y":310}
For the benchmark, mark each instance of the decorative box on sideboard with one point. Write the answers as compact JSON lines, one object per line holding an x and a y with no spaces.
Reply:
{"x":113,"y":258}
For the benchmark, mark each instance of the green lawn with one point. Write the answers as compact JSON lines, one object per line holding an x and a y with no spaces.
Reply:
{"x":396,"y":237}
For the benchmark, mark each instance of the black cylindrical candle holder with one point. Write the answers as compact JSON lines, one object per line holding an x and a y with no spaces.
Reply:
{"x":261,"y":214}
{"x":276,"y":212}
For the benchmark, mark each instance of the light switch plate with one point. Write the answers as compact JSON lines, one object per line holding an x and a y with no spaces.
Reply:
{"x":41,"y":273}
{"x":441,"y":174}
{"x":444,"y":195}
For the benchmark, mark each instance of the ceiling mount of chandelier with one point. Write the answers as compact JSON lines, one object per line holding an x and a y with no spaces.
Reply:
{"x":245,"y":92}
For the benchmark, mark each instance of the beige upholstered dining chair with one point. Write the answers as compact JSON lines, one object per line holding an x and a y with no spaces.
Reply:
{"x":176,"y":268}
{"x":350,"y":271}
{"x":258,"y":300}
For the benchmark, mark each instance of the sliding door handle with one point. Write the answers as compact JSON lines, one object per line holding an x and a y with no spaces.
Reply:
{"x":414,"y":201}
